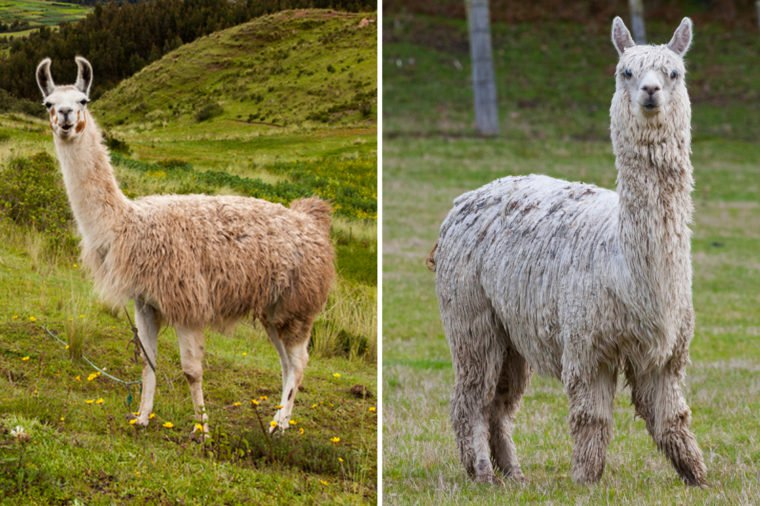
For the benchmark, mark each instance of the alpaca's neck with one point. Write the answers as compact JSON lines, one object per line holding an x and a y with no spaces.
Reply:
{"x":654,"y":188}
{"x":95,"y":198}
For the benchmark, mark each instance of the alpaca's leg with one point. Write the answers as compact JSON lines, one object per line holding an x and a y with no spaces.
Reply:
{"x":477,"y":345}
{"x":591,"y":405}
{"x":660,"y":402}
{"x":515,"y":374}
{"x":295,"y":339}
{"x":191,"y":349}
{"x":148,"y":322}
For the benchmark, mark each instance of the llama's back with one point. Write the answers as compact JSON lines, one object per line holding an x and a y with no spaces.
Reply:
{"x":519,"y":244}
{"x":212,"y":260}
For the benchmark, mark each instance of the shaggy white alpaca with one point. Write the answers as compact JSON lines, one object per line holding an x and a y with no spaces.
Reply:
{"x":191,"y":261}
{"x":577,"y":282}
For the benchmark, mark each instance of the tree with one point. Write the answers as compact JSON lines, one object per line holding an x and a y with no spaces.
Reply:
{"x":637,"y":21}
{"x":483,"y":80}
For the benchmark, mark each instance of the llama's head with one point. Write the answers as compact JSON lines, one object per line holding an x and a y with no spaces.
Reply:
{"x":66,"y":104}
{"x":651,"y":78}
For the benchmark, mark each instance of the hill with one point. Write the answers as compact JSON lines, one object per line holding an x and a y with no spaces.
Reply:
{"x":263,"y":72}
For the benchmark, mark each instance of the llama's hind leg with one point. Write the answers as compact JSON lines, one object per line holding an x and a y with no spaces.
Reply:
{"x":294,"y":337}
{"x":477,"y":345}
{"x":591,"y":405}
{"x":148,"y":321}
{"x":515,"y":374}
{"x":660,"y":402}
{"x":191,"y":350}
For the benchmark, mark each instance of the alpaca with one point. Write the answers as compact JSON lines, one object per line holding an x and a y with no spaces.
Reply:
{"x":578,"y":282}
{"x":191,"y":261}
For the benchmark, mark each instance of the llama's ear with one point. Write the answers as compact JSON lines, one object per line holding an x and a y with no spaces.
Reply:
{"x":84,"y":75}
{"x":44,"y":79}
{"x":621,"y":37}
{"x":681,"y":40}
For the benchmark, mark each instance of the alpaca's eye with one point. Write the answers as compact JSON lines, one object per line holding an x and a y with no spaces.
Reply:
{"x":627,"y":74}
{"x":48,"y":105}
{"x":674,"y":74}
{"x":84,"y":101}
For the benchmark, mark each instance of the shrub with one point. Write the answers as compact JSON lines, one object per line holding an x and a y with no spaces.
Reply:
{"x":32,"y":194}
{"x":208,"y":111}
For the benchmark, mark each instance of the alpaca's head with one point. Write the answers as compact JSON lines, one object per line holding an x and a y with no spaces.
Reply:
{"x":651,"y":78}
{"x":66,"y":104}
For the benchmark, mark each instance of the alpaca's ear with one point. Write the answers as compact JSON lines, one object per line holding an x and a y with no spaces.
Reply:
{"x":681,"y":40}
{"x":84,"y":75}
{"x":621,"y":37}
{"x":44,"y":79}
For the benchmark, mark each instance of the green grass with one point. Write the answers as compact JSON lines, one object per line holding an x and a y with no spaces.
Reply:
{"x":430,"y":156}
{"x":88,"y":452}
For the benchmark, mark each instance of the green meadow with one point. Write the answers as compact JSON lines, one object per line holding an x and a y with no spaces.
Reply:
{"x":41,"y":12}
{"x":555,"y":83}
{"x":164,"y":139}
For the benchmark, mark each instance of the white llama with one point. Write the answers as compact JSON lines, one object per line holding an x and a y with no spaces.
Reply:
{"x":578,"y":282}
{"x":191,"y":261}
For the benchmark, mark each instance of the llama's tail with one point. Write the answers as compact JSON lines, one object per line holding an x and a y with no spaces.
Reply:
{"x":317,"y":208}
{"x":430,"y":260}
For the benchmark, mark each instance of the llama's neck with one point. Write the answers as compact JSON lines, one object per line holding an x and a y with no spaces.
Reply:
{"x":654,"y":187}
{"x":95,"y":198}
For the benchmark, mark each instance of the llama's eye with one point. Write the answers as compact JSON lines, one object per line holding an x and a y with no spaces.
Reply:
{"x":627,"y":74}
{"x":48,"y":105}
{"x":674,"y":74}
{"x":84,"y":101}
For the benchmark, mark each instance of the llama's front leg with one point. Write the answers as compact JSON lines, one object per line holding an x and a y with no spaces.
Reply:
{"x":191,"y":349}
{"x":148,"y":322}
{"x":591,"y":406}
{"x":297,"y":357}
{"x":660,"y":402}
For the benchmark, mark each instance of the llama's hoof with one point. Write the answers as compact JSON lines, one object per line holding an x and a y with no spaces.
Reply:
{"x":200,"y":433}
{"x":139,"y":420}
{"x":485,"y":478}
{"x":517,"y":475}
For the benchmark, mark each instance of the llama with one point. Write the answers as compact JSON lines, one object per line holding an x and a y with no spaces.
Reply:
{"x":191,"y":261}
{"x":578,"y":282}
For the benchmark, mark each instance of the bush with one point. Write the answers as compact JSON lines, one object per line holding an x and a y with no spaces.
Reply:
{"x":208,"y":111}
{"x":32,"y":194}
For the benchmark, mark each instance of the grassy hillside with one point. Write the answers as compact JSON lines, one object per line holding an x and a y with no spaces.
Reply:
{"x":294,"y":68}
{"x":555,"y":83}
{"x":40,"y":12}
{"x":87,"y":451}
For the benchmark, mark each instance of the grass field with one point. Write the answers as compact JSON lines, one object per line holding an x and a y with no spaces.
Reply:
{"x":554,"y":100}
{"x":41,"y":12}
{"x":87,"y":452}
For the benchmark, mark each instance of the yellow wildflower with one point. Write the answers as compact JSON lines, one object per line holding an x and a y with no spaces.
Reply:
{"x":245,"y":353}
{"x":323,"y":482}
{"x":14,"y":317}
{"x":372,"y":409}
{"x":100,"y":401}
{"x":63,"y":418}
{"x":301,"y":431}
{"x":340,"y":459}
{"x":67,"y":347}
{"x":336,"y":375}
{"x":314,"y":405}
{"x":32,"y":319}
{"x":78,"y":377}
{"x":254,"y":402}
{"x":292,"y":422}
{"x":81,"y":316}
{"x":133,"y":421}
{"x":199,"y":427}
{"x":92,"y":376}
{"x":335,"y":440}
{"x":168,"y":425}
{"x":263,"y":397}
{"x":279,"y":406}
{"x":273,"y":424}
{"x":151,"y":416}
{"x":89,"y":401}
{"x":237,"y":403}
{"x":75,"y":265}
{"x":25,"y":359}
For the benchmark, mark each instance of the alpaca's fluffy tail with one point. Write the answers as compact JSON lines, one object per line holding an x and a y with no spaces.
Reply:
{"x":317,"y":208}
{"x":430,"y":260}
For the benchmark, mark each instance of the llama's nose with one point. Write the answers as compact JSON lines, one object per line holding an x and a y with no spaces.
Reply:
{"x":651,"y":89}
{"x":65,"y":111}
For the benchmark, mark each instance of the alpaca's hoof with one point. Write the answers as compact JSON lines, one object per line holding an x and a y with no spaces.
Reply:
{"x":517,"y":475}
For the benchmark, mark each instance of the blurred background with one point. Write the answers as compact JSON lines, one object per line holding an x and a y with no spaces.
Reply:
{"x":553,"y":64}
